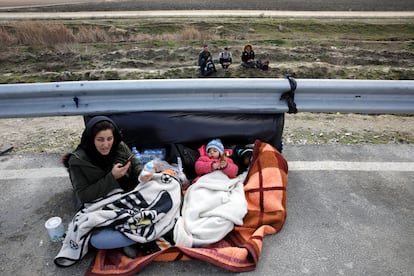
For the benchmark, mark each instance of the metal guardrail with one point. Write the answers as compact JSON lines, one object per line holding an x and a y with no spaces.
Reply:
{"x":249,"y":95}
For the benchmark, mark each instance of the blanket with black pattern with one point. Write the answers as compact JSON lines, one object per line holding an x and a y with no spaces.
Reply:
{"x":145,"y":214}
{"x":265,"y":192}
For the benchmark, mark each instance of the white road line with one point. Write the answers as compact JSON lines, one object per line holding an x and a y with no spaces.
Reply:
{"x":293,"y":166}
{"x":350,"y":166}
{"x":33,"y":173}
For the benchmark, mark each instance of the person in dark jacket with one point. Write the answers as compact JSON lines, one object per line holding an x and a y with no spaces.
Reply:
{"x":99,"y":166}
{"x":206,"y":62}
{"x":247,"y":57}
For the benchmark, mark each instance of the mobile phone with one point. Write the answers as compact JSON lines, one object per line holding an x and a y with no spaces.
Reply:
{"x":129,"y":159}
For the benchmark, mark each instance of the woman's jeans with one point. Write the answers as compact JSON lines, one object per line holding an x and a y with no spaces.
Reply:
{"x":108,"y":238}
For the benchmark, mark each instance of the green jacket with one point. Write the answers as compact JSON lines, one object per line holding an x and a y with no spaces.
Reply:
{"x":91,"y":182}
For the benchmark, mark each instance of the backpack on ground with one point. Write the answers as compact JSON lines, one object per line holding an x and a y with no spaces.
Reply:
{"x":263,"y":64}
{"x":209,"y":68}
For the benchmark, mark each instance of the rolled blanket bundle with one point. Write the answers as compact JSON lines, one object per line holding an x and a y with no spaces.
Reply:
{"x":211,"y":208}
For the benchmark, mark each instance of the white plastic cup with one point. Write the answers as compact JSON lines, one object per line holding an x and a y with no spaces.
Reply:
{"x":55,"y":229}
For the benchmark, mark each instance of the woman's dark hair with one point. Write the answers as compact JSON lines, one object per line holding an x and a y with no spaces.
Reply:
{"x":103,"y":125}
{"x":93,"y":126}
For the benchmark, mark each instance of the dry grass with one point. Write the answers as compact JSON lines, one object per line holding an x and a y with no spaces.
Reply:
{"x":6,"y":38}
{"x":92,"y":35}
{"x":52,"y":35}
{"x":32,"y":33}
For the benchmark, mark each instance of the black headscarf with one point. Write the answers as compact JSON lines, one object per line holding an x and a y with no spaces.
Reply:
{"x":88,"y":145}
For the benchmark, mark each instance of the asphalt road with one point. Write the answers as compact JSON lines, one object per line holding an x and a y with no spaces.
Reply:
{"x":350,"y":208}
{"x":350,"y":212}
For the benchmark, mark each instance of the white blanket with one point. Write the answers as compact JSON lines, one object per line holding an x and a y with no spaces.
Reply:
{"x":144,"y":214}
{"x":211,"y":208}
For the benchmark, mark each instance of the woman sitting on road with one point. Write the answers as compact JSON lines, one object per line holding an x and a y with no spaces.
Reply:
{"x":99,"y":166}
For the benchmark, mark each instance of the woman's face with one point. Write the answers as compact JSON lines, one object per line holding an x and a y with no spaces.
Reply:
{"x":103,"y":141}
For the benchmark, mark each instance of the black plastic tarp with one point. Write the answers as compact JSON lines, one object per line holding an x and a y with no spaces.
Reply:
{"x":158,"y":129}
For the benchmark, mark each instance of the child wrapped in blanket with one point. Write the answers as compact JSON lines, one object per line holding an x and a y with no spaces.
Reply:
{"x":215,"y":201}
{"x":213,"y":157}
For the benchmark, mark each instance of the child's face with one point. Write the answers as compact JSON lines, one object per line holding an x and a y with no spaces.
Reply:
{"x":213,"y":153}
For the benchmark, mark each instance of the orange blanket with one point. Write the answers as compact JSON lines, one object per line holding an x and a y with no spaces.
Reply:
{"x":239,"y":251}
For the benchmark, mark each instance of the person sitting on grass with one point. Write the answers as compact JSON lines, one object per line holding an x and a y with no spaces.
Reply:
{"x":205,"y":61}
{"x":225,"y":58}
{"x":247,"y":57}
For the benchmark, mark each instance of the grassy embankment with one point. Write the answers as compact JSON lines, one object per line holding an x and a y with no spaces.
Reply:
{"x":96,"y":49}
